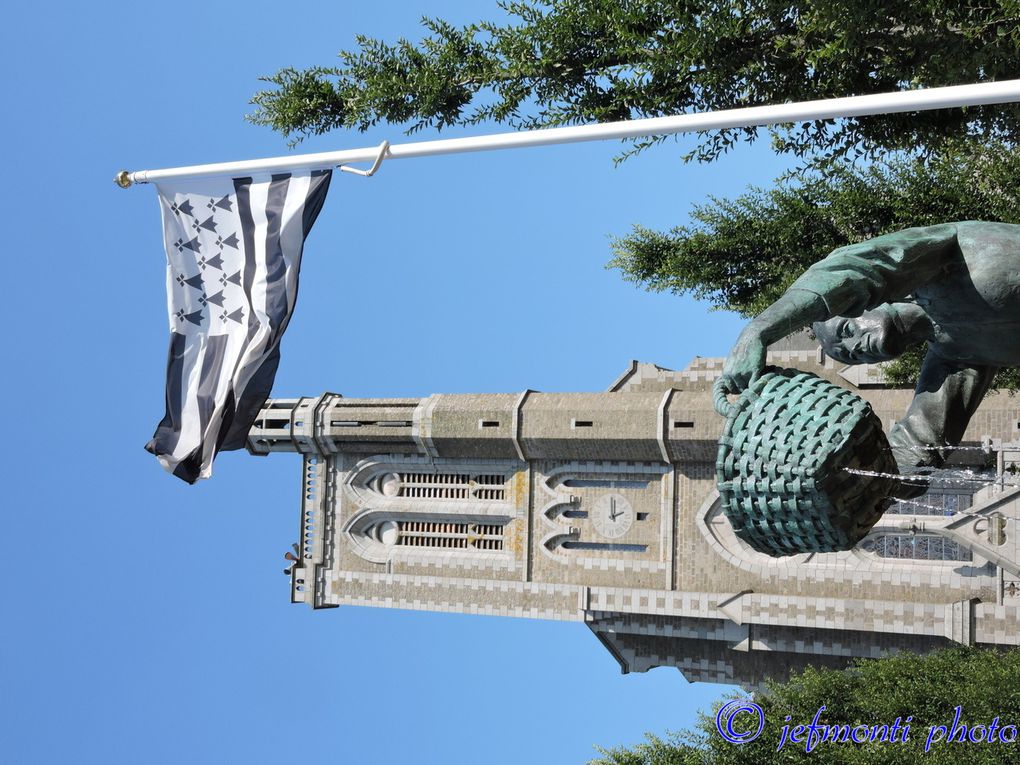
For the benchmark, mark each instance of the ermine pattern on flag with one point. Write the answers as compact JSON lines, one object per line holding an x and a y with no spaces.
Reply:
{"x":233,"y":249}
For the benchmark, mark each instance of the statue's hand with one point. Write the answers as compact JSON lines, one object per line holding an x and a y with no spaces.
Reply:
{"x":745,"y":362}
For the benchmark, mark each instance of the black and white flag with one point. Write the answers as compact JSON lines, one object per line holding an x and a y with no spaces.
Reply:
{"x":233,"y":250}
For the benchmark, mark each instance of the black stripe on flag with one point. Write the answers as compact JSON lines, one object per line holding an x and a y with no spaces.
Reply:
{"x":212,"y":372}
{"x":316,"y":198}
{"x":164,"y":440}
{"x":276,"y":265}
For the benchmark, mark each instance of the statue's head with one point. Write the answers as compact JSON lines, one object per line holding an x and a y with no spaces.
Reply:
{"x":874,"y":336}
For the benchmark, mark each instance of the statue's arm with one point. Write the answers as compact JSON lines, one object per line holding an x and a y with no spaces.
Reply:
{"x":849,"y":281}
{"x":886,"y":269}
{"x":797,"y":308}
{"x":947,"y":395}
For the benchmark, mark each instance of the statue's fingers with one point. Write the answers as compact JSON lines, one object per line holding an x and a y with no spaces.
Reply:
{"x":720,"y":388}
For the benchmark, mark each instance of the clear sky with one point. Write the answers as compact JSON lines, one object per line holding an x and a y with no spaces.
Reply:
{"x":145,"y":620}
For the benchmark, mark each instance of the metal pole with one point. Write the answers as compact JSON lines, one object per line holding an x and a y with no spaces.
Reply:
{"x":853,"y":106}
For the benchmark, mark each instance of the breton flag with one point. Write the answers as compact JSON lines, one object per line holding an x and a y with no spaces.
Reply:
{"x":233,"y":249}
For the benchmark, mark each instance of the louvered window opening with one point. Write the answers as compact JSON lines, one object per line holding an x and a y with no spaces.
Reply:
{"x":917,"y":547}
{"x":456,"y":536}
{"x":452,"y":486}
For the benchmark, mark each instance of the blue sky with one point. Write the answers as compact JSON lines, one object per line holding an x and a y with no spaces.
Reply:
{"x":148,"y":621}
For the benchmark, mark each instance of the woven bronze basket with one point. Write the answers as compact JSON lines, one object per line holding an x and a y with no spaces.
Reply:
{"x":780,"y":467}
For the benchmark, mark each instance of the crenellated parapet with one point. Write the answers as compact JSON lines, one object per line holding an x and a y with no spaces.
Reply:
{"x":668,"y":426}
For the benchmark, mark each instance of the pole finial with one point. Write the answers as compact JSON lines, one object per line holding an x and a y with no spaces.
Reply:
{"x":123,"y":179}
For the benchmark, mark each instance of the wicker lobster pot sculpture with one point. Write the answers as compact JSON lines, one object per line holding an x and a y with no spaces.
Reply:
{"x":780,"y":466}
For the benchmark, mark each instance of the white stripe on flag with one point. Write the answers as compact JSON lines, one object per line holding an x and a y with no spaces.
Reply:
{"x":292,"y":237}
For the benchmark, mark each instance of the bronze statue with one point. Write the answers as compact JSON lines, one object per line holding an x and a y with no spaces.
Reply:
{"x":956,"y":285}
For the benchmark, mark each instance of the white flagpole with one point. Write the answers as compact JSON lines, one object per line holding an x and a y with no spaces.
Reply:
{"x":834,"y":108}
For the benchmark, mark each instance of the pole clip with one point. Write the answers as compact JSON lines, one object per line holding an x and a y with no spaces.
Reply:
{"x":384,"y":149}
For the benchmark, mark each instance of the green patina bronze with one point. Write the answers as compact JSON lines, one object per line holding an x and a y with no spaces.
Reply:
{"x":956,"y":286}
{"x":780,"y":467}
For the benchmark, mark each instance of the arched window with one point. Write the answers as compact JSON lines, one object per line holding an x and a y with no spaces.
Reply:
{"x":916,"y":547}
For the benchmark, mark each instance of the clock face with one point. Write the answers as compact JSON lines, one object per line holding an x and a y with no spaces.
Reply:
{"x":613,"y":515}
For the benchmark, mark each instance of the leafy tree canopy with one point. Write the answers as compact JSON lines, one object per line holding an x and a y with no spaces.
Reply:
{"x":741,"y":254}
{"x":985,"y":683}
{"x":558,"y":62}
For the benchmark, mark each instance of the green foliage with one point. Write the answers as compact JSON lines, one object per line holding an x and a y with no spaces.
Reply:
{"x":683,"y":748}
{"x":741,"y":254}
{"x":904,"y":370}
{"x":985,"y":683}
{"x":558,"y":62}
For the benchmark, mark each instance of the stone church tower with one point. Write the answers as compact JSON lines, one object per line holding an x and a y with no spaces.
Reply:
{"x":601,"y":508}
